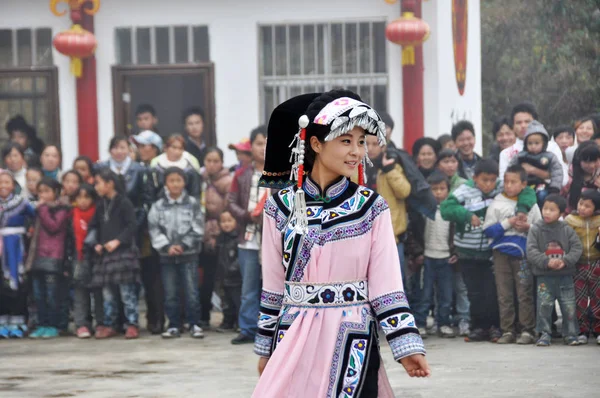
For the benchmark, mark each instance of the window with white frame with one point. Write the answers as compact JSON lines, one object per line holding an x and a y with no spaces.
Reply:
{"x":162,"y":45}
{"x":302,"y":58}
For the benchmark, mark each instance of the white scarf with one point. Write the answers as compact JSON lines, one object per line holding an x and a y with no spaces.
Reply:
{"x":120,"y":167}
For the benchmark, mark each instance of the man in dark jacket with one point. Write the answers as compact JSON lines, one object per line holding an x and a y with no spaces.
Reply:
{"x":193,"y":124}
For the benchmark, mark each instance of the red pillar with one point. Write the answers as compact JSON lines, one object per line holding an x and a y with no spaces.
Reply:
{"x":412,"y":87}
{"x":87,"y":101}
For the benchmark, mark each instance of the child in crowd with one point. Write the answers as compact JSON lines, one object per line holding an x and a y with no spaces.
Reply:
{"x":586,"y":223}
{"x":534,"y":157}
{"x":448,"y":163}
{"x":553,"y":249}
{"x":507,"y":226}
{"x":71,"y":181}
{"x":112,"y":233}
{"x":229,"y":269}
{"x":51,"y":159}
{"x":47,"y":254}
{"x":34,"y":176}
{"x":85,"y":167}
{"x":446,"y":142}
{"x":466,"y":207}
{"x":176,"y":226}
{"x":14,"y":212}
{"x":439,"y":261}
{"x":83,"y":212}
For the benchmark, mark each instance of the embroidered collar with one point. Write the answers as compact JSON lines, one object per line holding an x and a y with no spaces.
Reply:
{"x":334,"y":189}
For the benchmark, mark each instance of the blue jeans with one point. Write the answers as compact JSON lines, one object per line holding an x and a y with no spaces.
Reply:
{"x":46,"y":288}
{"x":549,"y":289}
{"x":463,"y":306}
{"x":129,"y":297}
{"x":251,"y":286}
{"x":438,"y":273}
{"x":178,"y":278}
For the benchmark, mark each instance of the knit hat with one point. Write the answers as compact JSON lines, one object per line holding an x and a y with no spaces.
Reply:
{"x":536,"y":127}
{"x":325,"y":116}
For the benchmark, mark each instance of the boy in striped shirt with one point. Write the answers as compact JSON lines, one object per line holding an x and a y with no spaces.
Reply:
{"x":466,"y":207}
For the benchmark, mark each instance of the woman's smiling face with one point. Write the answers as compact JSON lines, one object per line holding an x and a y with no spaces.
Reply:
{"x":342,"y":155}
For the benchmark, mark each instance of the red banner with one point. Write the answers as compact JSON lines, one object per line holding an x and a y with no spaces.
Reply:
{"x":460,"y":20}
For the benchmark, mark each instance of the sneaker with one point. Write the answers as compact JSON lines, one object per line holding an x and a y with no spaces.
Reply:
{"x":571,"y":340}
{"x":495,"y":334}
{"x":544,"y":341}
{"x":4,"y":332}
{"x":50,"y":333}
{"x":433,"y":329}
{"x":18,"y":331}
{"x":171,"y":333}
{"x":526,"y":338}
{"x":83,"y":333}
{"x":598,"y":339}
{"x":582,"y":339}
{"x":423,"y":333}
{"x":447,"y":332}
{"x":242,"y":339}
{"x":104,"y":332}
{"x":507,"y":338}
{"x":132,"y":332}
{"x":38,"y":333}
{"x":463,"y":328}
{"x":225,"y":328}
{"x":196,"y":332}
{"x":477,"y":335}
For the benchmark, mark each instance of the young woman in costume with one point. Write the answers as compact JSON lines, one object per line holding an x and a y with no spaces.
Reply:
{"x":329,"y":260}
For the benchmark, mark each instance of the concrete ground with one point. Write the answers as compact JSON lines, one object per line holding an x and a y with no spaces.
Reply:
{"x":152,"y":367}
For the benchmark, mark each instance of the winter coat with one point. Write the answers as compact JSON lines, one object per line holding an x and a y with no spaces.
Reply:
{"x":176,"y":222}
{"x":227,"y":255}
{"x":194,"y":150}
{"x":556,"y":240}
{"x":114,"y":219}
{"x":238,"y":197}
{"x":53,"y":248}
{"x":587,"y":231}
{"x":157,"y":178}
{"x":215,"y":191}
{"x":395,"y":188}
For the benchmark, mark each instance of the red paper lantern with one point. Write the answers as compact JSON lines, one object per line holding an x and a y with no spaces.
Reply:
{"x":407,"y":31}
{"x":76,"y":43}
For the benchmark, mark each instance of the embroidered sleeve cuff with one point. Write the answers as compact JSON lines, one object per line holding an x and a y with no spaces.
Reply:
{"x":406,"y":345}
{"x":262,"y":345}
{"x":268,"y":317}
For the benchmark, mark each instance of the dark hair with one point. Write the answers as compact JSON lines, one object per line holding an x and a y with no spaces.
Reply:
{"x":517,"y":169}
{"x":18,"y":123}
{"x":226,"y":211}
{"x":444,"y":139}
{"x":175,"y":138}
{"x":175,"y":170}
{"x":87,"y":161}
{"x":115,"y":141}
{"x":260,"y":130}
{"x":75,"y":173}
{"x":215,"y":149}
{"x":447,"y":153}
{"x":593,"y":195}
{"x":107,"y":175}
{"x":461,"y":126}
{"x":193,"y":111}
{"x":523,"y":107}
{"x":145,"y":108}
{"x":52,"y":184}
{"x":586,"y":152}
{"x":487,"y":166}
{"x":423,"y":141}
{"x":498,"y":123}
{"x":89,"y":190}
{"x":557,"y":200}
{"x":563,"y":129}
{"x":36,"y":169}
{"x":387,"y":119}
{"x":9,"y":147}
{"x":59,"y":153}
{"x":437,"y":177}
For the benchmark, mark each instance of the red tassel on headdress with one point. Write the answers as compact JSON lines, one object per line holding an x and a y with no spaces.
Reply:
{"x":301,"y":166}
{"x":361,"y":174}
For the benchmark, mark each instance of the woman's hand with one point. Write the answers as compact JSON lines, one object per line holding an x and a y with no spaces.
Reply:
{"x":262,"y":364}
{"x":98,"y":249}
{"x":416,"y":366}
{"x":112,"y":245}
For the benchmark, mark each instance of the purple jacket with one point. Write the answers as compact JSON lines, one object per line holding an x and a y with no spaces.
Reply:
{"x":53,"y":231}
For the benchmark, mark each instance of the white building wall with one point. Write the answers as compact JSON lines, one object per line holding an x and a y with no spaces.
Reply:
{"x":233,"y":31}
